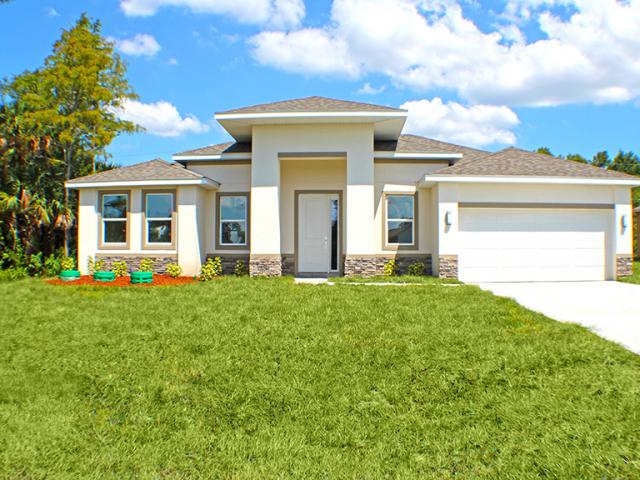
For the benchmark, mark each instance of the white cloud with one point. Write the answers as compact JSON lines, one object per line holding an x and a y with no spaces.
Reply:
{"x":52,"y":12}
{"x":367,"y":89}
{"x":592,"y":54}
{"x":172,"y":61}
{"x":477,"y":125}
{"x":160,"y":118}
{"x":275,"y":13}
{"x":140,"y":45}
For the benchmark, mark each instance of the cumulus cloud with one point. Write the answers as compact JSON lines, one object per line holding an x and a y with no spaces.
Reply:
{"x":590,"y":54}
{"x":367,"y":89}
{"x":160,"y":118}
{"x":476,"y":125}
{"x":275,"y":13}
{"x":140,"y":45}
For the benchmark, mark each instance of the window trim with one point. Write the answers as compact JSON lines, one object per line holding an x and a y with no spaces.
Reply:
{"x":385,"y":233}
{"x":218,"y":222}
{"x":146,"y":245}
{"x":102,"y":245}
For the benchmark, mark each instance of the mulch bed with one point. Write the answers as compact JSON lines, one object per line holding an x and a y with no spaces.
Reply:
{"x":158,"y":280}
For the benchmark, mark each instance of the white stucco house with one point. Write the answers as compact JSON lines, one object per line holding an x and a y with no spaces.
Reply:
{"x":317,"y":186}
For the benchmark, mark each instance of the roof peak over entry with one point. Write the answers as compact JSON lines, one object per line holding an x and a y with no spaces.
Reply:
{"x":387,"y":122}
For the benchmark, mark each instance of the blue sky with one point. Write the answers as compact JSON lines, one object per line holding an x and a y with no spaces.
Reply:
{"x":565,"y":74}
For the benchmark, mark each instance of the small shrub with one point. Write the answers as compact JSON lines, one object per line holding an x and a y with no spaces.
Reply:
{"x":52,"y":265}
{"x":174,"y":270}
{"x":211,"y":269}
{"x":416,"y":269}
{"x":67,"y":263}
{"x":241,"y":268}
{"x":35,"y":265}
{"x":120,"y":269}
{"x":146,"y":265}
{"x":390,"y":268}
{"x":95,"y":265}
{"x":12,"y":274}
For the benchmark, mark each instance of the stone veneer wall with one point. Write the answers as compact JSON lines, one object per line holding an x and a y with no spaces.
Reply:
{"x":265,"y":265}
{"x":229,"y":261}
{"x":133,"y":261}
{"x":373,"y":265}
{"x":624,"y":265}
{"x":448,"y":266}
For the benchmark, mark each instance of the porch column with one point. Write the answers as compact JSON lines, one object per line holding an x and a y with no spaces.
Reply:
{"x":445,"y":259}
{"x":360,"y":211}
{"x":265,"y":258}
{"x":623,"y":215}
{"x":190,"y":229}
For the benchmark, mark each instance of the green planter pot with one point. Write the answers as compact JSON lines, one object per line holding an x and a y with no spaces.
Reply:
{"x":104,"y":276}
{"x":69,"y":275}
{"x":141,"y":277}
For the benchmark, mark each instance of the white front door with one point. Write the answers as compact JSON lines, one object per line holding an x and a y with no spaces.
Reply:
{"x":317,"y":232}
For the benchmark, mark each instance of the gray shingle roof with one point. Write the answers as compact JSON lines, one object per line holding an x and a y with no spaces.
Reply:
{"x":228,"y":147}
{"x":417,"y":144}
{"x":405,"y":144}
{"x":313,"y":104}
{"x":157,"y":169}
{"x":517,"y":162}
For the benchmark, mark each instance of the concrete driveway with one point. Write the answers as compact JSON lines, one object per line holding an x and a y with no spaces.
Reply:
{"x":610,"y":309}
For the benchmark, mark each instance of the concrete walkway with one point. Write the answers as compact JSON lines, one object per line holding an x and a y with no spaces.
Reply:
{"x":610,"y":309}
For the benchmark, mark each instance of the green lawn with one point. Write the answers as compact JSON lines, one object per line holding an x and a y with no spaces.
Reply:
{"x":422,"y":279}
{"x":635,"y":278}
{"x":242,"y":378}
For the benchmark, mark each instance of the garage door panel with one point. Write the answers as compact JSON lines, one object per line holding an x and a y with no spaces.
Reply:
{"x":532,"y":245}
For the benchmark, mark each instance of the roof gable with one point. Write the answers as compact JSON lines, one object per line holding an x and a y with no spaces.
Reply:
{"x":312,"y":104}
{"x":517,"y":162}
{"x":157,"y":169}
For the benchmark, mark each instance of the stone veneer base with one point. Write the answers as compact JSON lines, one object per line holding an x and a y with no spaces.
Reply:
{"x":373,"y":265}
{"x":265,"y":265}
{"x":448,"y":266}
{"x":133,"y":261}
{"x":624,"y":265}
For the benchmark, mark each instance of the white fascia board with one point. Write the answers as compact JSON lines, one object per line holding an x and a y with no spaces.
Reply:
{"x":431,"y":179}
{"x":219,"y":156}
{"x":146,"y":183}
{"x":273,"y":115}
{"x":435,"y":156}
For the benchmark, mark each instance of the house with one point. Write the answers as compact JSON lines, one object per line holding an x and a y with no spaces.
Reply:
{"x":317,"y":186}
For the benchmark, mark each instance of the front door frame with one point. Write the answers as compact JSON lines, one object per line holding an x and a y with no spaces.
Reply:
{"x":341,"y":230}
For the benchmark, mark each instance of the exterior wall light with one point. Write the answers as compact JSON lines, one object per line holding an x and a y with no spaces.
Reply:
{"x":447,"y":219}
{"x":623,"y":221}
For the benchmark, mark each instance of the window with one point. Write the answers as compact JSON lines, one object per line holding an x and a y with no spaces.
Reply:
{"x":114,"y":208}
{"x":400,"y":227}
{"x":159,"y":218}
{"x":233,"y":215}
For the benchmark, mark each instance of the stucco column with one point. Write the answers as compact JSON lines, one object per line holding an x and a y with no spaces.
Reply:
{"x":264,"y":231}
{"x":446,"y":261}
{"x":360,"y":209}
{"x":87,"y":227}
{"x":623,"y":214}
{"x":189,"y":230}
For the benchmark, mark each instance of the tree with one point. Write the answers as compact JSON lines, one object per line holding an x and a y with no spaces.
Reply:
{"x":627,"y":162}
{"x":73,"y":99}
{"x":576,"y":157}
{"x":544,"y":151}
{"x":601,"y":159}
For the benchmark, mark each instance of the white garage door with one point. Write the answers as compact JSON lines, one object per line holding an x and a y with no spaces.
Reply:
{"x":522,"y":245}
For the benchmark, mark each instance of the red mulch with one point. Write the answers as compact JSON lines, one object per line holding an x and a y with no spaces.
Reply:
{"x":158,"y":280}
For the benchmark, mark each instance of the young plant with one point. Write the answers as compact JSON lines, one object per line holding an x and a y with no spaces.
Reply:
{"x":52,"y":265}
{"x":211,"y":269}
{"x":146,"y":265}
{"x":120,"y":269}
{"x":416,"y":269}
{"x":241,"y":268}
{"x":67,"y":263}
{"x":174,"y":270}
{"x":390,"y":268}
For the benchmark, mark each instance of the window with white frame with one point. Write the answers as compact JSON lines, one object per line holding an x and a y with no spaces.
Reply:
{"x":232,"y":214}
{"x":400,"y":228}
{"x":114,"y":210}
{"x":159,"y":218}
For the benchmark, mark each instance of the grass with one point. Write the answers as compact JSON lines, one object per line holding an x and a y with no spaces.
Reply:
{"x":422,"y":279}
{"x":635,"y":278}
{"x":242,"y":378}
